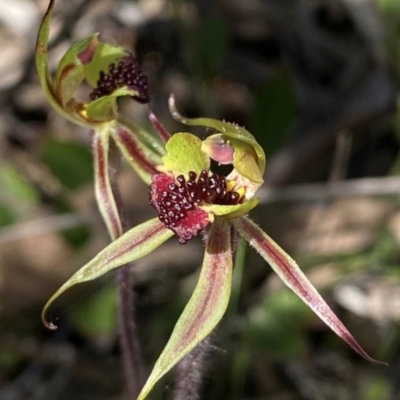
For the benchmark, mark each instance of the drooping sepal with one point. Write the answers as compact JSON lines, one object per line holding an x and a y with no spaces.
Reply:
{"x":290,"y":273}
{"x":206,"y":307}
{"x":134,"y":244}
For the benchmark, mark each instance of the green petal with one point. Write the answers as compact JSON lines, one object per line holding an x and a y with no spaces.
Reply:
{"x":134,"y":244}
{"x":294,"y":278}
{"x":229,"y":130}
{"x":206,"y":306}
{"x":71,"y":71}
{"x":184,"y":154}
{"x":229,"y":212}
{"x":103,"y":190}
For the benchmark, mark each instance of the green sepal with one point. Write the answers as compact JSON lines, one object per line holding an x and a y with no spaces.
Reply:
{"x":184,"y":154}
{"x":205,"y":308}
{"x":134,"y":244}
{"x":230,"y":212}
{"x":230,"y":130}
{"x":71,"y":71}
{"x":104,"y":56}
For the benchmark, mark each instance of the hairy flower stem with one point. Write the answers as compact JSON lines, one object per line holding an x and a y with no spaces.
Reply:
{"x":188,"y":382}
{"x":129,"y":342}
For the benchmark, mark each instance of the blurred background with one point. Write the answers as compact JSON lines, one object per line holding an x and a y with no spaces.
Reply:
{"x":316,"y":81}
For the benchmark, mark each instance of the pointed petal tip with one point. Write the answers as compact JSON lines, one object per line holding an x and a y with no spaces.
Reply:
{"x":366,"y":356}
{"x":377,"y":361}
{"x":49,"y":325}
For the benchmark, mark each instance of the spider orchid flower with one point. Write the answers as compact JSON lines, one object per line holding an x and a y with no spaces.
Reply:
{"x":190,"y":199}
{"x":111,"y":72}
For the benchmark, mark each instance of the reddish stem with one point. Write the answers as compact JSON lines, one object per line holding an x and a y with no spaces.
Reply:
{"x":129,"y":342}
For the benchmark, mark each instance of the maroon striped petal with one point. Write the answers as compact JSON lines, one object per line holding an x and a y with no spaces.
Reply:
{"x":206,"y":306}
{"x":294,"y":278}
{"x":162,"y":132}
{"x":134,"y":244}
{"x":142,"y":158}
{"x":103,"y":190}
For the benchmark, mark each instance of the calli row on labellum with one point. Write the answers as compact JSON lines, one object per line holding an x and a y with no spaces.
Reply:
{"x":190,"y":199}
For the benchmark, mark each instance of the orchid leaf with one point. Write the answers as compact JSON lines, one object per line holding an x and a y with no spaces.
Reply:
{"x":294,"y":278}
{"x":206,"y":306}
{"x":134,"y":244}
{"x":71,"y":71}
{"x":229,"y":130}
{"x":104,"y":56}
{"x":142,"y":159}
{"x":232,"y":211}
{"x":103,"y":190}
{"x":184,"y":154}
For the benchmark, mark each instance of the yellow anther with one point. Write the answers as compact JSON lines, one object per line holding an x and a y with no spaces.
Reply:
{"x":230,"y":185}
